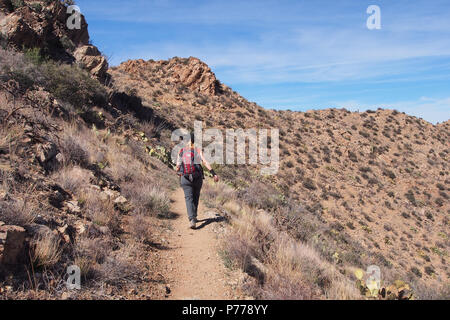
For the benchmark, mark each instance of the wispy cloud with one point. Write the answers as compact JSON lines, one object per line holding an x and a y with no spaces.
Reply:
{"x":274,"y":43}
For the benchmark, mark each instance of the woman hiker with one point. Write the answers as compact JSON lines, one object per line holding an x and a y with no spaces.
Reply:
{"x":189,"y":167}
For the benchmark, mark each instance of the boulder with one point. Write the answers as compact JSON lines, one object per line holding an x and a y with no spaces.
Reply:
{"x":121,"y":200}
{"x":92,"y":60}
{"x":49,"y":156}
{"x":109,"y":194}
{"x":197,"y":76}
{"x":67,"y":233}
{"x":12,"y":245}
{"x":91,"y":230}
{"x":73,"y":207}
{"x":46,"y":152}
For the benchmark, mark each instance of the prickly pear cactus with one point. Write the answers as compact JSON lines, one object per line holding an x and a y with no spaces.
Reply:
{"x":161,"y":154}
{"x":371,"y":289}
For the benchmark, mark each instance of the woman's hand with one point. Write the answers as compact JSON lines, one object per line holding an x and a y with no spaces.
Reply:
{"x":216,"y":178}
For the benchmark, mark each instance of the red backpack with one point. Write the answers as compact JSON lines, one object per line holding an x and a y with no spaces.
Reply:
{"x":188,"y":161}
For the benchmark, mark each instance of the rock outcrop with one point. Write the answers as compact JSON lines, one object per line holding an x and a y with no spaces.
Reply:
{"x":12,"y":244}
{"x":191,"y":73}
{"x":43,"y":24}
{"x":196,"y":75}
{"x":92,"y":60}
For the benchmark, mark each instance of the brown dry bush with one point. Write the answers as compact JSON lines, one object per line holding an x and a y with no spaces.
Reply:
{"x":18,"y":212}
{"x":73,"y":145}
{"x":46,"y":250}
{"x":73,"y":179}
{"x":284,"y":268}
{"x":217,"y":194}
{"x":261,"y":195}
{"x":101,"y":212}
{"x":15,"y":66}
{"x":150,"y":199}
{"x":121,"y":266}
{"x":89,"y":254}
{"x":140,"y":227}
{"x":279,"y":287}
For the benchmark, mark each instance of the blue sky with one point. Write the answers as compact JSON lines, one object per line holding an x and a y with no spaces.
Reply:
{"x":298,"y":55}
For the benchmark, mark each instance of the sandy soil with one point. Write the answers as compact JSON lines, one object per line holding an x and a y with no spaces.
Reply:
{"x":196,"y":270}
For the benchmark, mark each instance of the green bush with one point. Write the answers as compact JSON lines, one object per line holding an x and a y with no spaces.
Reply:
{"x":3,"y":41}
{"x":34,"y":55}
{"x":14,"y":66}
{"x":16,"y":4}
{"x":73,"y":85}
{"x":68,"y":83}
{"x":67,"y":43}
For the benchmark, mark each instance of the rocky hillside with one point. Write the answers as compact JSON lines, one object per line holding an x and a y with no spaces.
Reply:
{"x":26,"y":24}
{"x":77,"y":186}
{"x":369,"y":188}
{"x":76,"y":158}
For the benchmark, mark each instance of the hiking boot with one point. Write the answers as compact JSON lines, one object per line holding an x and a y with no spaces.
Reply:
{"x":192,"y":223}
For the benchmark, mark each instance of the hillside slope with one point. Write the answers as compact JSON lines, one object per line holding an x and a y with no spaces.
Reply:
{"x":77,"y":186}
{"x":85,"y":179}
{"x":374,"y":185}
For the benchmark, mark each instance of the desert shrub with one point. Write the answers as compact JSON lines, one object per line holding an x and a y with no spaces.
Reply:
{"x":16,"y":4}
{"x":67,"y":43}
{"x":140,"y":227}
{"x":18,"y":212}
{"x":440,"y":186}
{"x":101,"y":212}
{"x":73,"y":178}
{"x":153,"y":128}
{"x":309,"y":184}
{"x":416,"y":272}
{"x":73,"y":85}
{"x":73,"y":150}
{"x":299,"y":222}
{"x":280,"y":287}
{"x":150,"y":199}
{"x":389,"y":174}
{"x":410,"y":196}
{"x":120,"y":266}
{"x":352,"y":156}
{"x":68,"y":83}
{"x":89,"y":253}
{"x":34,"y":55}
{"x":14,"y":66}
{"x":217,"y":194}
{"x":439,"y":201}
{"x":365,"y":169}
{"x":46,"y":250}
{"x":261,"y":195}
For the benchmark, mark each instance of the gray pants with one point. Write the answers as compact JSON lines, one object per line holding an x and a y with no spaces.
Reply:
{"x":192,"y":195}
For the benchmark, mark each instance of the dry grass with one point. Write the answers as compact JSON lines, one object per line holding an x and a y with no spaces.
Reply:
{"x":73,"y":179}
{"x":18,"y":212}
{"x":101,"y":212}
{"x":217,"y":194}
{"x":151,"y":200}
{"x":140,"y":228}
{"x":122,"y":167}
{"x":121,"y":266}
{"x":46,"y":250}
{"x":89,"y":253}
{"x":282,"y":267}
{"x":74,"y":145}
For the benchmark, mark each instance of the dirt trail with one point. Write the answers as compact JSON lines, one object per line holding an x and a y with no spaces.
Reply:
{"x":196,"y":270}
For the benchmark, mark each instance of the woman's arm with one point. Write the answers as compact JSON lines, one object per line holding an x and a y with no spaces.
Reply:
{"x":177,"y":168}
{"x":207,"y":165}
